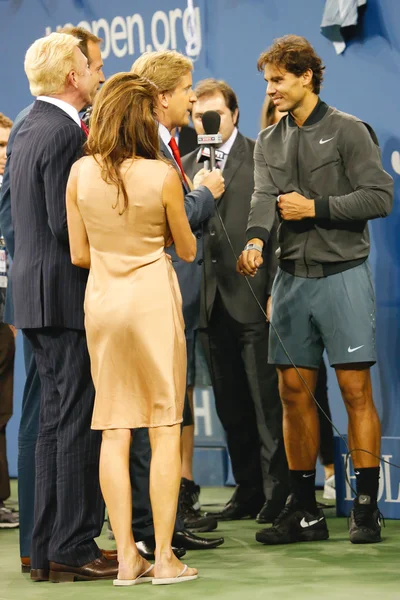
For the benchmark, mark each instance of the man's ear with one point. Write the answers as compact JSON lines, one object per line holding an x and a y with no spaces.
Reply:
{"x":72,"y":79}
{"x":307,"y":77}
{"x":163,"y":100}
{"x":235,"y":116}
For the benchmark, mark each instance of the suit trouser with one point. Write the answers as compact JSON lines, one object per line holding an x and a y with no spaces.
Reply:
{"x":247,"y":398}
{"x":69,"y":509}
{"x":7,"y":353}
{"x":142,"y":516}
{"x":27,"y":436}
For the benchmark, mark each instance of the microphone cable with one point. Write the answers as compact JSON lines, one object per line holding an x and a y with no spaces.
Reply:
{"x":349,"y":452}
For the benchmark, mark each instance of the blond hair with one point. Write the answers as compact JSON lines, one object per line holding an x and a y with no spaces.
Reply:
{"x":5,"y":122}
{"x":164,"y":68}
{"x":49,"y":61}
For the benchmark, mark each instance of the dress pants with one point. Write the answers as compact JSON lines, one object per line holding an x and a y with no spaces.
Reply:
{"x":142,"y":516}
{"x":69,"y":509}
{"x":7,"y":353}
{"x":247,"y":399}
{"x":27,"y":436}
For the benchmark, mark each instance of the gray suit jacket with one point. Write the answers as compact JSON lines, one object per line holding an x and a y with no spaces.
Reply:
{"x":219,"y":261}
{"x":199,"y":206}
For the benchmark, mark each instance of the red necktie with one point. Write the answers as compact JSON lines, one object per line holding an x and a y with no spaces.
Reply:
{"x":175,"y":151}
{"x":84,"y":128}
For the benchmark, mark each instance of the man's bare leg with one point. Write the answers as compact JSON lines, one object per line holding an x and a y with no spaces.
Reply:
{"x":300,"y":417}
{"x":364,"y":433}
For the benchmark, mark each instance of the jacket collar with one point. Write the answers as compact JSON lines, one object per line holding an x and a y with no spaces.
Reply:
{"x":167,"y":154}
{"x":317,"y":114}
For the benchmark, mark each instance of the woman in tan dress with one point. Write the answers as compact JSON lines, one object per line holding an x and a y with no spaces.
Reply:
{"x":123,"y":205}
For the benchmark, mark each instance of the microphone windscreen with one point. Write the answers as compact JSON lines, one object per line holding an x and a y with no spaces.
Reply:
{"x":211,"y":121}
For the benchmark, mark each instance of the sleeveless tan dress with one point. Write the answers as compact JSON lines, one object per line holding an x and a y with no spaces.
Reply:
{"x":133,"y":305}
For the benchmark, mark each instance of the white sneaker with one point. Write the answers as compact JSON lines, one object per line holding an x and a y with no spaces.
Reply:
{"x":330,"y":488}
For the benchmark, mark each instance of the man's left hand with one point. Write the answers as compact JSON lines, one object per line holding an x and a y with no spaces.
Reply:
{"x":294,"y":207}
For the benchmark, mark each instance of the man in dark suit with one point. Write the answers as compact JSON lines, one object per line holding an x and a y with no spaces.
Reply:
{"x":89,"y":44}
{"x":48,"y":294}
{"x":171,"y":72}
{"x":233,"y":328}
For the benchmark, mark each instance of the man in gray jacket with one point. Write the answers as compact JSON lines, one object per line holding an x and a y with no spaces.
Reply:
{"x":321,"y":170}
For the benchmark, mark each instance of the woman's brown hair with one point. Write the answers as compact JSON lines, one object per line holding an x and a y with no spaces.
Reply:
{"x":122,"y":126}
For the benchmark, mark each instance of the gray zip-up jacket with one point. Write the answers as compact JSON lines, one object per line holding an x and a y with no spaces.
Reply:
{"x":335,"y":160}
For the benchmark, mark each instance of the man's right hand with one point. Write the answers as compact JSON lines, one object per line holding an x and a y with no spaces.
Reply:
{"x":250,"y":260}
{"x":215,"y":183}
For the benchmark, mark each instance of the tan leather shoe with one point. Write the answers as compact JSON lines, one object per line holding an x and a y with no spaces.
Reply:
{"x":39,"y":575}
{"x":101,"y":568}
{"x":25,"y":564}
{"x":26,"y":561}
{"x":109,"y":554}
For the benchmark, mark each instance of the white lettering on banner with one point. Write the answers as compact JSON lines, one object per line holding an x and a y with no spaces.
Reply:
{"x":385,"y":483}
{"x":388,"y":481}
{"x":349,"y":477}
{"x":119,"y":34}
{"x":173,"y":16}
{"x":160,"y":17}
{"x":203,"y":411}
{"x":138,"y":21}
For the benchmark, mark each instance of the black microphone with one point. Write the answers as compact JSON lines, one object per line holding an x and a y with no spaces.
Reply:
{"x":211,"y":121}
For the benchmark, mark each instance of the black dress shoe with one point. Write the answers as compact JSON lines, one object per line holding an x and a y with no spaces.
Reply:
{"x":273,"y":507}
{"x":191,"y":516}
{"x":147,"y":548}
{"x":186,"y":539}
{"x":245,"y":503}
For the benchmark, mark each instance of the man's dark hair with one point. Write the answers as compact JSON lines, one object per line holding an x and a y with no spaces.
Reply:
{"x":296,"y":55}
{"x":210,"y":87}
{"x":84,"y":36}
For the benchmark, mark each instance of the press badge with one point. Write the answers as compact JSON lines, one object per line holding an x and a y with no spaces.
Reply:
{"x":3,"y":264}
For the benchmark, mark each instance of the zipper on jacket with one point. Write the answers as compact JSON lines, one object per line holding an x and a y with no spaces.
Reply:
{"x":299,"y":185}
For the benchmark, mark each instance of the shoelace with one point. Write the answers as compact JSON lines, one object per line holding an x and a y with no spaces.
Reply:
{"x":287,"y":509}
{"x":364,"y":516}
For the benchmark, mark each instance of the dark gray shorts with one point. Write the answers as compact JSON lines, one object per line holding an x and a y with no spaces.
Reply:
{"x":336,"y":313}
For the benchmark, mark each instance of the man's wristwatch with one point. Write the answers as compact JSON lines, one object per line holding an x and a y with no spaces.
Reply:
{"x":253,"y":247}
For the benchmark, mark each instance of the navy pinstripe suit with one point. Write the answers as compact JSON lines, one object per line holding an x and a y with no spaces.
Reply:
{"x":48,"y":294}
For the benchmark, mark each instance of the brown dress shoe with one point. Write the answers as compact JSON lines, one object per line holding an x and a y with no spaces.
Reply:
{"x":109,"y":554}
{"x":100,"y":568}
{"x":39,"y":575}
{"x":25,"y":564}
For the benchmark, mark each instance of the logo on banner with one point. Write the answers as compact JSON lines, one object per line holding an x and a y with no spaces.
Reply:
{"x":132,"y":35}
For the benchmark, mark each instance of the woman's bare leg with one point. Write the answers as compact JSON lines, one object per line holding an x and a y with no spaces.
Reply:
{"x":165,"y":477}
{"x":115,"y":485}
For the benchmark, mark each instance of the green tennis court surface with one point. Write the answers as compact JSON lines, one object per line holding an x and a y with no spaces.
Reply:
{"x":242,"y":568}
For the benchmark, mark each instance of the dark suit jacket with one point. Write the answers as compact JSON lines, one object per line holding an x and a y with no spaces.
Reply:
{"x":219,"y":261}
{"x":48,"y":291}
{"x":187,"y":140}
{"x":6,"y":225}
{"x":199,"y":206}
